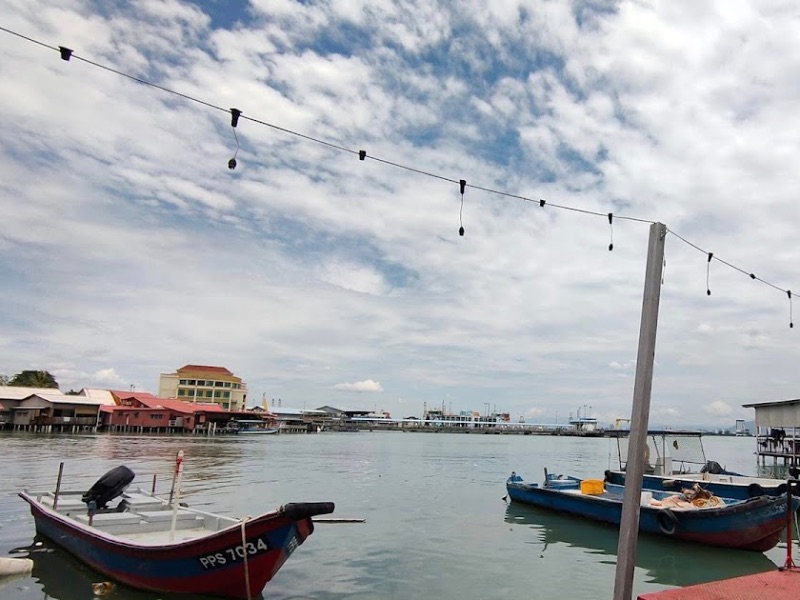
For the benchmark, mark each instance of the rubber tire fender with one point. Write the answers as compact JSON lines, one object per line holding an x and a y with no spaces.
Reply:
{"x":667,"y":521}
{"x":754,"y":490}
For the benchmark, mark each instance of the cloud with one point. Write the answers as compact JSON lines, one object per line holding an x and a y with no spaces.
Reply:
{"x":368,"y":385}
{"x":718,"y":408}
{"x":624,"y":365}
{"x":534,"y":412}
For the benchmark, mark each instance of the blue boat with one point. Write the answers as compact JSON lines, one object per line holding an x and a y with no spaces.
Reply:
{"x":676,"y":459}
{"x":752,"y":524}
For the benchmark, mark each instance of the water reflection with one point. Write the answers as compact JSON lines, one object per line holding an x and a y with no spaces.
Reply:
{"x":666,"y":562}
{"x":62,"y":577}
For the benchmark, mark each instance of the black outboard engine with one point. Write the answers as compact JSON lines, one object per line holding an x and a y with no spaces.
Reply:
{"x":108,"y":487}
{"x":712,"y":467}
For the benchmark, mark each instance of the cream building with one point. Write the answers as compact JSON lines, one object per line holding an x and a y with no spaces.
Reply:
{"x":200,"y":383}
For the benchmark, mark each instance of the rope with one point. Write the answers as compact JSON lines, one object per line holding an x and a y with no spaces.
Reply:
{"x":246,"y":565}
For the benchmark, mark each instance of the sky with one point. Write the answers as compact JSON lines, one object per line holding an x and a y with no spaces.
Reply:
{"x":128,"y":248}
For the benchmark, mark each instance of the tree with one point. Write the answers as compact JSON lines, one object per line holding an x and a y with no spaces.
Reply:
{"x":4,"y":379}
{"x":36,"y":379}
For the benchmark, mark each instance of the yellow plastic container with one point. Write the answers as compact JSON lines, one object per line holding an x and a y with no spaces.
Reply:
{"x":592,"y":486}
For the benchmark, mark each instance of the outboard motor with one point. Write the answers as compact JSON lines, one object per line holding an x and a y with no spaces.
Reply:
{"x":108,"y":487}
{"x":712,"y":467}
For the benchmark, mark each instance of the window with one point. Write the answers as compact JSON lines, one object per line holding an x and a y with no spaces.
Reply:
{"x":191,"y":382}
{"x":219,"y":383}
{"x":217,"y":394}
{"x":183,"y":382}
{"x":226,"y":394}
{"x":209,"y":394}
{"x":181,"y":392}
{"x":227,"y":384}
{"x":225,"y":405}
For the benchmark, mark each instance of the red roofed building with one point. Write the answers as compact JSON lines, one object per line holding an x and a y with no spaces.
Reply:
{"x":140,"y":411}
{"x":202,"y":383}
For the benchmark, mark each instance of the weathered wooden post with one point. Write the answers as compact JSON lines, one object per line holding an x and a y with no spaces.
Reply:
{"x":634,"y":471}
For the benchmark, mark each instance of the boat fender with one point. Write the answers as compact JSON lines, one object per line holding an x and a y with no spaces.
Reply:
{"x":754,"y":490}
{"x":667,"y":521}
{"x":15,"y":566}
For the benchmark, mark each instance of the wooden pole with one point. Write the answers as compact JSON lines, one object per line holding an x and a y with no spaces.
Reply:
{"x":634,"y":471}
{"x":58,"y":486}
{"x":175,"y":503}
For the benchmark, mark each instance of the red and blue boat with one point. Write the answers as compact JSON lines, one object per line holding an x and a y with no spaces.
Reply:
{"x":753,"y":524}
{"x":161,"y":545}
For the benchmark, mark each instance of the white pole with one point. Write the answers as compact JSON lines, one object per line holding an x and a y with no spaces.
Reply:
{"x":637,"y":438}
{"x":175,"y":502}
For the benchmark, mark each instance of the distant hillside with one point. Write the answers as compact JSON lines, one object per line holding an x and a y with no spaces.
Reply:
{"x":748,"y":425}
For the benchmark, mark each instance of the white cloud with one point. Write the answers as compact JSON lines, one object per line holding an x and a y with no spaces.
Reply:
{"x":534,"y":412}
{"x":718,"y":408}
{"x":368,"y":385}
{"x":622,"y":365}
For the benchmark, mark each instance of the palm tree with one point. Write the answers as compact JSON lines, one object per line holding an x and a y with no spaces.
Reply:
{"x":36,"y":379}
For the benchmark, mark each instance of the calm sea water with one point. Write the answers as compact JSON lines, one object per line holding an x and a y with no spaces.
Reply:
{"x":436,"y":525}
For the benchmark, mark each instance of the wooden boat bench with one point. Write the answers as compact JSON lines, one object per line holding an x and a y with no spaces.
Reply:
{"x":165,"y":516}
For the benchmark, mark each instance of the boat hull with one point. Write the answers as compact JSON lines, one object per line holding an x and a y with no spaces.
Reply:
{"x":212,"y":565}
{"x":755,"y":524}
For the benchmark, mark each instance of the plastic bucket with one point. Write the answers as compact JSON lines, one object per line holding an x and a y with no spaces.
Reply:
{"x":592,"y":486}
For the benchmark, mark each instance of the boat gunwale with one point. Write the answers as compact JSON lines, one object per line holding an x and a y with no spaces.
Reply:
{"x":734,"y":507}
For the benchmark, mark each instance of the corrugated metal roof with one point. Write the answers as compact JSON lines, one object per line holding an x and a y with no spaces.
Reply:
{"x":205,"y":368}
{"x":104,"y":396}
{"x":774,"y":403}
{"x":64,"y":399}
{"x":12,"y":392}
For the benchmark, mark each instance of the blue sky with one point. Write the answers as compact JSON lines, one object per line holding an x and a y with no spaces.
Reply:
{"x":129,"y":248}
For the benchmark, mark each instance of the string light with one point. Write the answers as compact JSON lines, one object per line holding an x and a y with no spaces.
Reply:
{"x":462,"y":185}
{"x":235,"y":114}
{"x":708,"y":273}
{"x":67,"y":54}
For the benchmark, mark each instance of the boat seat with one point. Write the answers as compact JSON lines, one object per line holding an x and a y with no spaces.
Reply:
{"x":158,"y":516}
{"x":138,"y":502}
{"x":65,"y":503}
{"x":102,"y":519}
